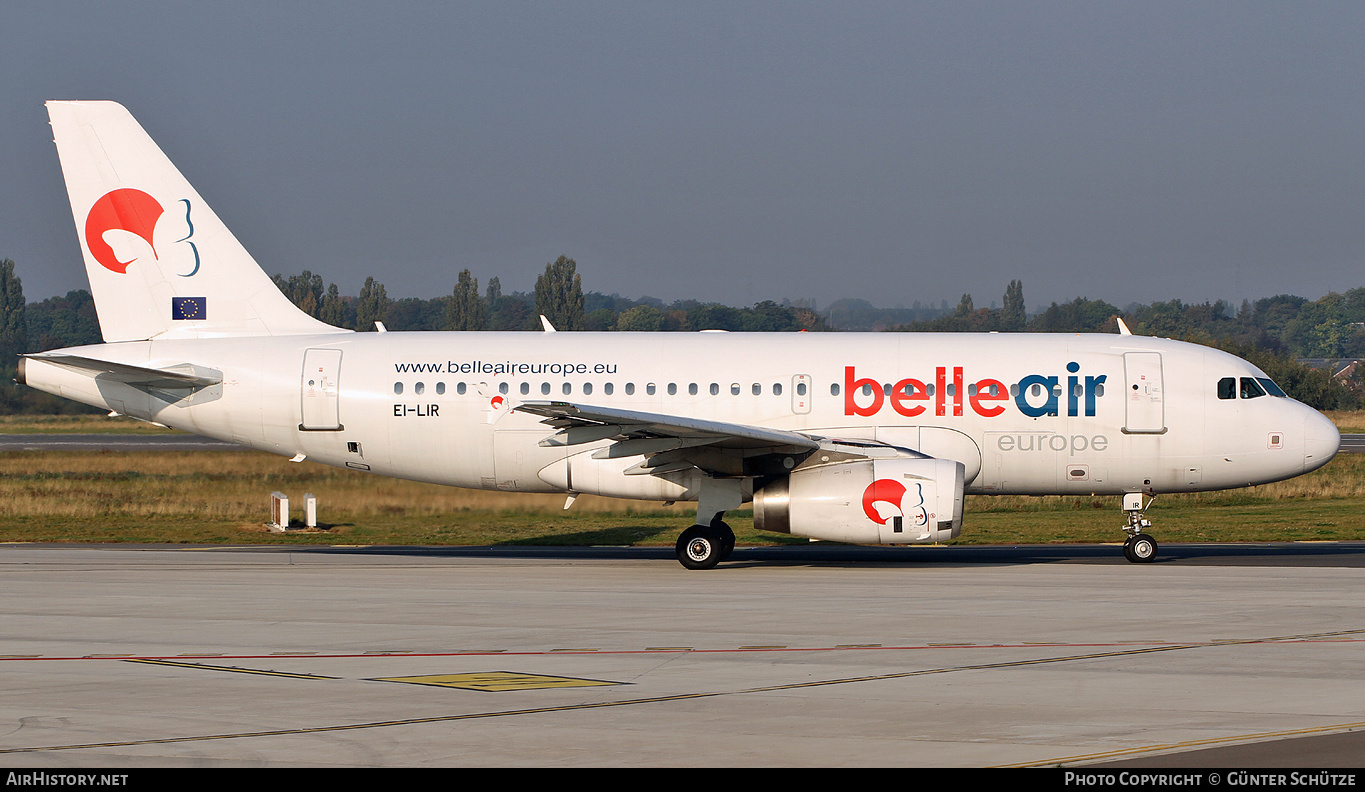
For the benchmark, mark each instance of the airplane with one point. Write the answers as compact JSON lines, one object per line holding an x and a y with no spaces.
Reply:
{"x":869,"y":438}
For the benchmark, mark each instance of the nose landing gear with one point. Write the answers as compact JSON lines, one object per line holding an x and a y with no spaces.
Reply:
{"x":1140,"y":548}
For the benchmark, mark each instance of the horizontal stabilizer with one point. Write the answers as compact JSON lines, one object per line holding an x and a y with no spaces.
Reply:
{"x":182,"y":375}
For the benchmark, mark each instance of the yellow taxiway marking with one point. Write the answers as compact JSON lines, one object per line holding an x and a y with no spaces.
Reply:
{"x":498,"y":681}
{"x":696,"y":696}
{"x":202,"y":667}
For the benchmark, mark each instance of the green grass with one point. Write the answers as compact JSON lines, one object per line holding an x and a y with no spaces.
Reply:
{"x":1348,"y":421}
{"x":223,"y":498}
{"x":78,"y":424}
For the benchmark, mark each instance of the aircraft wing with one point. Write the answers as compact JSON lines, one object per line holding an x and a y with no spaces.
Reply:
{"x":668,"y":442}
{"x":182,"y":376}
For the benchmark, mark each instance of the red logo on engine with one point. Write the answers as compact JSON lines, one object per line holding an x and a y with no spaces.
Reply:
{"x":882,"y":491}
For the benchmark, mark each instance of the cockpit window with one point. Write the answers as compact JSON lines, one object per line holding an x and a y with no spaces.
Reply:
{"x":1251,"y":388}
{"x":1271,"y":387}
{"x":1227,"y":388}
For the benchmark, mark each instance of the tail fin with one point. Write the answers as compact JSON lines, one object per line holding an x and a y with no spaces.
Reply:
{"x":161,"y":264}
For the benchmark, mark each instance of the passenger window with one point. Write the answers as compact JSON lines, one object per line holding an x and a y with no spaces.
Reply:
{"x":630,"y":389}
{"x":502,"y":387}
{"x":398,"y":389}
{"x":734,"y":389}
{"x":833,"y":389}
{"x":567,"y":389}
{"x":440,"y":389}
{"x":1251,"y":389}
{"x":544,"y":389}
{"x":419,"y":388}
{"x":525,"y":388}
{"x":692,"y":389}
{"x":587,"y":389}
{"x":672,"y":389}
{"x":1227,"y":388}
{"x":757,"y":389}
{"x":460,"y":388}
{"x":649,"y":389}
{"x":715,"y":389}
{"x":777,"y":388}
{"x":607,"y":388}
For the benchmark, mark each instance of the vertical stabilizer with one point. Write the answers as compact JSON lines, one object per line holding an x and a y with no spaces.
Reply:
{"x":161,"y":264}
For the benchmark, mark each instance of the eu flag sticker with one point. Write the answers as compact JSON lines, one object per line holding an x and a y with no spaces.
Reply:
{"x":188,"y":308}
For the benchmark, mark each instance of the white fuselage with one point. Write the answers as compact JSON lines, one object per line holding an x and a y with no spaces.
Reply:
{"x":843,"y":436}
{"x":1024,"y":413}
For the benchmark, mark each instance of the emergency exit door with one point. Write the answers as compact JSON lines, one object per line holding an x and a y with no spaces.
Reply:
{"x":1145,"y":394}
{"x":319,"y":386}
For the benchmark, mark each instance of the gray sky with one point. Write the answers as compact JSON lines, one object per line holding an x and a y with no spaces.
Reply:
{"x":728,"y":151}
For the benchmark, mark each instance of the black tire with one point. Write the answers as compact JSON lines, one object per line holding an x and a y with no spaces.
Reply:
{"x":1141,"y":549}
{"x":726,"y":536}
{"x":699,"y":548}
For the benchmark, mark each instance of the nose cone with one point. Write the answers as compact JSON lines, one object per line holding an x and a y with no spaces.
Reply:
{"x":1320,"y":441}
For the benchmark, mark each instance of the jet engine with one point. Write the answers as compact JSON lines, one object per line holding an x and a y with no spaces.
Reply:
{"x":868,"y":501}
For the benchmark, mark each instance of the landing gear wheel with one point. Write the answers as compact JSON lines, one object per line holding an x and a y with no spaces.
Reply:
{"x":725,"y":536}
{"x":699,"y":547}
{"x":1140,"y":549}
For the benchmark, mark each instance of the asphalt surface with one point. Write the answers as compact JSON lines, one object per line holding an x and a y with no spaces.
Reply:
{"x":112,"y":442}
{"x":1352,"y":444}
{"x":1214,"y":656}
{"x":139,"y":656}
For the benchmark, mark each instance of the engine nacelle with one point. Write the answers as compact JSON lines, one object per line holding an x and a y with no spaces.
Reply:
{"x":869,"y":501}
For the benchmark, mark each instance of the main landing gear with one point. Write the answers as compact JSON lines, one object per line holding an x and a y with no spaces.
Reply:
{"x":1140,"y":548}
{"x":704,"y":546}
{"x":710,"y":541}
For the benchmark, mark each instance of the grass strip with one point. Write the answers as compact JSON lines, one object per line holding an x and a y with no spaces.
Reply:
{"x":222,"y":497}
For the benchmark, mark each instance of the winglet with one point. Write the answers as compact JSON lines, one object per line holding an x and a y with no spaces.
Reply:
{"x":1123,"y":328}
{"x":549,"y":328}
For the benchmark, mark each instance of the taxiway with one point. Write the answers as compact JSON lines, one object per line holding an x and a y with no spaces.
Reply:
{"x":805,"y":656}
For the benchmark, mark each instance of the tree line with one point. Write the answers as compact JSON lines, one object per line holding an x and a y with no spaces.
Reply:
{"x":1274,"y":333}
{"x":558,"y":296}
{"x":1300,"y":343}
{"x":1330,"y":328}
